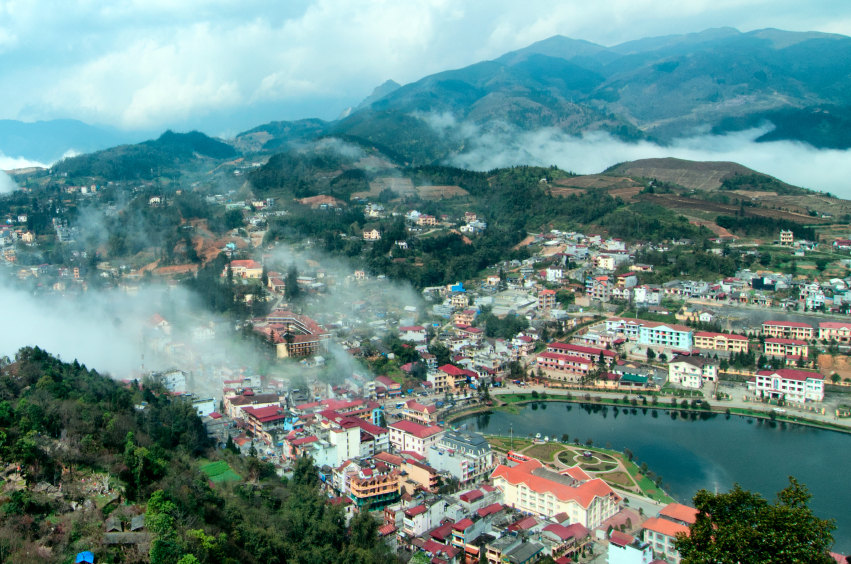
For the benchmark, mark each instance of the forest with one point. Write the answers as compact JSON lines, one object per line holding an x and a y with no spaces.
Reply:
{"x":68,"y":427}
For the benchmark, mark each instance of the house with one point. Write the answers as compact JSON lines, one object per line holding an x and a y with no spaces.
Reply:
{"x":244,"y":269}
{"x":787,"y":330}
{"x":532,"y":488}
{"x":795,"y":385}
{"x":787,"y":237}
{"x":415,"y":333}
{"x":426,"y":220}
{"x":371,"y":235}
{"x":393,"y":387}
{"x":625,"y":549}
{"x":414,"y":437}
{"x":834,"y":331}
{"x":588,"y":353}
{"x":547,"y":299}
{"x":706,"y":341}
{"x":599,"y":288}
{"x":660,"y":532}
{"x":419,"y":413}
{"x":791,"y":349}
{"x":455,"y":378}
{"x":692,"y":371}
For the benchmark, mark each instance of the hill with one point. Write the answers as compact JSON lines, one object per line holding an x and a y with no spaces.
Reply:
{"x":162,"y":156}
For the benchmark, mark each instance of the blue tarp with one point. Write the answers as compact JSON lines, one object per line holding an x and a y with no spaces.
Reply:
{"x":85,"y":557}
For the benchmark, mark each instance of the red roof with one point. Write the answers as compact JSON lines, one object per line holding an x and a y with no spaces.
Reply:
{"x":489,"y":510}
{"x":618,"y":538}
{"x":415,"y":429}
{"x":245,"y":264}
{"x":417,"y":406}
{"x":414,"y":511}
{"x":451,"y":370}
{"x":573,"y":531}
{"x":463,"y":524}
{"x":564,"y":357}
{"x":391,"y":384}
{"x":787,"y":324}
{"x":664,"y":526}
{"x":304,"y":441}
{"x":834,"y":325}
{"x":471,"y":496}
{"x":215,"y":415}
{"x":578,"y":348}
{"x":386,"y":530}
{"x":786,"y":342}
{"x":791,"y":374}
{"x":523,"y":524}
{"x":725,"y":335}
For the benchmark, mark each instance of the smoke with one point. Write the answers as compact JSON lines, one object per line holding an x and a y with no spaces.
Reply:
{"x":793,"y":162}
{"x":6,"y":183}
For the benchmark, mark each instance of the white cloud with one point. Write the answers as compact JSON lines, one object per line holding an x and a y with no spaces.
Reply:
{"x":152,"y":64}
{"x":11,"y":163}
{"x":792,"y":162}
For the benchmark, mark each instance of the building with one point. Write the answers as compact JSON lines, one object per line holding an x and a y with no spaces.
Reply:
{"x":795,"y":385}
{"x":407,"y":436}
{"x":564,"y":367}
{"x":295,"y":335}
{"x":692,"y":371}
{"x":625,"y":549}
{"x":375,"y":487}
{"x":720,"y":342}
{"x":832,"y":331}
{"x":655,"y":334}
{"x":588,"y":353}
{"x":599,"y":288}
{"x":787,"y":330}
{"x":415,"y":333}
{"x":244,"y":269}
{"x":419,"y":413}
{"x":547,"y":299}
{"x":786,"y":237}
{"x":454,"y":378}
{"x":660,"y":532}
{"x":791,"y":349}
{"x":532,"y":488}
{"x":465,"y":455}
{"x":371,"y":235}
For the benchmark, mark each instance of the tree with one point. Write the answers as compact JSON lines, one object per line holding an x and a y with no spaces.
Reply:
{"x":742,"y":527}
{"x":650,"y":354}
{"x":305,"y":472}
{"x":565,"y":438}
{"x":291,"y":289}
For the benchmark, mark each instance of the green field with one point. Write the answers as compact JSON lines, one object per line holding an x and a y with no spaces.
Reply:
{"x":220,"y":472}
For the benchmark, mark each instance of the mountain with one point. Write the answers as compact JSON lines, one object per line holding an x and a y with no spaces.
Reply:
{"x":149,"y":159}
{"x":379,"y":92}
{"x":48,"y":141}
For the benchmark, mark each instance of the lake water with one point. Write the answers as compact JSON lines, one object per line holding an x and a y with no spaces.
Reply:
{"x":711,"y":453}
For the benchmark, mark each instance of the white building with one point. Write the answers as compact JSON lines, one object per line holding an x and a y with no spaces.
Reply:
{"x":795,"y":385}
{"x":413,"y":437}
{"x":534,"y":489}
{"x":692,"y":371}
{"x":466,"y":456}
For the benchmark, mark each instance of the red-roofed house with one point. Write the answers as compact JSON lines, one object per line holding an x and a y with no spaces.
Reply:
{"x":660,"y":532}
{"x":415,"y":333}
{"x":588,"y":353}
{"x":794,"y":385}
{"x":787,"y":348}
{"x":393,"y":387}
{"x":531,"y":487}
{"x":244,"y":269}
{"x":419,"y":413}
{"x":407,"y":435}
{"x":455,"y":378}
{"x":567,"y":541}
{"x":563,"y":367}
{"x":720,"y":342}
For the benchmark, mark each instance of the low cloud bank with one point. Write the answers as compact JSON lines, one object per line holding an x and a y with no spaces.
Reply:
{"x":793,"y":162}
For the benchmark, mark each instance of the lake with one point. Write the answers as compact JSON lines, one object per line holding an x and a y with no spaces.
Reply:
{"x":711,"y":452}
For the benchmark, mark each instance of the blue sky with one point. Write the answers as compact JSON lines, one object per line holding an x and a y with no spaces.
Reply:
{"x":224,"y":66}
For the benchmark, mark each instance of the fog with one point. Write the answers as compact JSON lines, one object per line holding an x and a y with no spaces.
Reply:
{"x":793,"y":162}
{"x":6,"y":183}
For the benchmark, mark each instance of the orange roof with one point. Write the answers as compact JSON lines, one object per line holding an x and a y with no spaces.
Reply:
{"x":667,"y":528}
{"x":583,"y":493}
{"x":679,"y":512}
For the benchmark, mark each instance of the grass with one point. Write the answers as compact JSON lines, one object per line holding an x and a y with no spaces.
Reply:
{"x":220,"y":472}
{"x":617,"y":478}
{"x":545,"y":452}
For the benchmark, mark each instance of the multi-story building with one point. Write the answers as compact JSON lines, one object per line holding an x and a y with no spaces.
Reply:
{"x":795,"y":385}
{"x":655,"y":334}
{"x":532,"y":488}
{"x":374,"y":487}
{"x":588,"y":353}
{"x":407,"y":436}
{"x":419,"y":413}
{"x":786,"y":237}
{"x":563,"y":367}
{"x":692,"y":371}
{"x":720,"y":342}
{"x":371,"y":235}
{"x":439,"y":381}
{"x":455,"y":378}
{"x":629,"y":328}
{"x":599,"y":288}
{"x":836,"y":331}
{"x":661,"y":532}
{"x":466,"y":456}
{"x":791,"y":349}
{"x":295,"y":335}
{"x":547,"y":299}
{"x":787,"y":330}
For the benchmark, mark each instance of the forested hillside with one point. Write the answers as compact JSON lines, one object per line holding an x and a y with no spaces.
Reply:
{"x":80,"y":448}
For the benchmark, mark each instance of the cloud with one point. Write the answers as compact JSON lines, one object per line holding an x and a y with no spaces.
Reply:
{"x":156,"y":64}
{"x":12,"y":163}
{"x":792,"y":162}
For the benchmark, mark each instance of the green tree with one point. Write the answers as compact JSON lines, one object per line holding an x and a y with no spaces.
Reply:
{"x":291,"y":290}
{"x":740,"y":527}
{"x":650,"y":354}
{"x":305,"y":472}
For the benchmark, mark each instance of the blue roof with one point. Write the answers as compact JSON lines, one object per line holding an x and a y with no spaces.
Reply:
{"x":85,"y":557}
